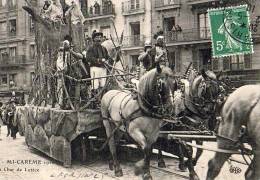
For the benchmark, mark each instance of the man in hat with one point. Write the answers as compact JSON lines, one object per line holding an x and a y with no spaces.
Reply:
{"x":161,"y":54}
{"x":146,"y":59}
{"x":97,"y":55}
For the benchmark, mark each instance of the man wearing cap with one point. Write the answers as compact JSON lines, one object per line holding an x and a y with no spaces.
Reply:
{"x":97,"y":55}
{"x":146,"y":58}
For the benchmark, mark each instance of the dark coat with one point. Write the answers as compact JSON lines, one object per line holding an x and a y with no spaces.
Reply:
{"x":95,"y":53}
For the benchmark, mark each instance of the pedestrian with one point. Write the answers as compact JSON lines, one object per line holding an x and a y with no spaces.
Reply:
{"x":161,"y":54}
{"x":1,"y":120}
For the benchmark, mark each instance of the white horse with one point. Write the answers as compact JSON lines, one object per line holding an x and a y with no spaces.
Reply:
{"x":241,"y":109}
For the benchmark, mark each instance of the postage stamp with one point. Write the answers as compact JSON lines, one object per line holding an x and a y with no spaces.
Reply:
{"x":230,"y":31}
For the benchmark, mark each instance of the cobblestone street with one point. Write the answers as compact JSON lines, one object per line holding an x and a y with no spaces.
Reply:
{"x":41,"y":167}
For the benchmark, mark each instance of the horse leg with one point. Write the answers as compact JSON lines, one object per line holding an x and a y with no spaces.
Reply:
{"x":250,"y":172}
{"x":142,"y":166}
{"x":198,"y":153}
{"x":193,"y":175}
{"x":161,"y":162}
{"x":8,"y":130}
{"x":147,"y":158}
{"x":112,"y":148}
{"x":253,"y":171}
{"x":215,"y":165}
{"x":182,"y":166}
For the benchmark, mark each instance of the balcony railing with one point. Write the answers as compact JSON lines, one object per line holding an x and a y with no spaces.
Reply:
{"x":167,"y":4}
{"x":12,"y":60}
{"x":102,"y":11}
{"x":12,"y":6}
{"x":188,"y":35}
{"x":195,"y":2}
{"x":133,"y":41}
{"x":12,"y":33}
{"x":129,"y":8}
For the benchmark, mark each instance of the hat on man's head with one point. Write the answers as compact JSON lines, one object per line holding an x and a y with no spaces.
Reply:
{"x":148,"y":43}
{"x":68,"y":38}
{"x":95,"y":33}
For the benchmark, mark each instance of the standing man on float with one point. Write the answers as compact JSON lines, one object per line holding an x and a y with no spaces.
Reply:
{"x":97,"y":55}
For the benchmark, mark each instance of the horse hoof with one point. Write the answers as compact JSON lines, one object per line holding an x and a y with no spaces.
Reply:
{"x":182,"y":167}
{"x":119,"y":173}
{"x":161,"y":164}
{"x":138,"y":170}
{"x":111,"y":165}
{"x":147,"y":177}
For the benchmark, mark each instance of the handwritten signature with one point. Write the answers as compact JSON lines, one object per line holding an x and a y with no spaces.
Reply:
{"x":77,"y":175}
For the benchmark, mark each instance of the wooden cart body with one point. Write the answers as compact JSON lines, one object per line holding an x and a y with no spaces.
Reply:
{"x":52,"y":131}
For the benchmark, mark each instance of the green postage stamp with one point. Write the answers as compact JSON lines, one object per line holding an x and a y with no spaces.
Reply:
{"x":230,"y":31}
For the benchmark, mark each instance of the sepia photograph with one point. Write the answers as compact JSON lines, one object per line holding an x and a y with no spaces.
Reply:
{"x":129,"y":89}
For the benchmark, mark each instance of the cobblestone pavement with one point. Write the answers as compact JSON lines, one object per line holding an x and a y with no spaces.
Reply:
{"x":47,"y":169}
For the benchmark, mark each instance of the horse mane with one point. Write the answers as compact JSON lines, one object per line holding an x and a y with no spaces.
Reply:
{"x":147,"y":84}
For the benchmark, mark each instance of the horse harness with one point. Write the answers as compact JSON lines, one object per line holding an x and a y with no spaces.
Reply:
{"x":125,"y":120}
{"x":241,"y":137}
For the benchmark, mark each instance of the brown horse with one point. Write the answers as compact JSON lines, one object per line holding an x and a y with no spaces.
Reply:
{"x":139,"y":114}
{"x":196,"y":108}
{"x":240,"y":109}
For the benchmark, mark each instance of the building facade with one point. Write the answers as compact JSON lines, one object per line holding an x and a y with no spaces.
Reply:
{"x":17,"y":47}
{"x":186,"y":28}
{"x":185,"y":24}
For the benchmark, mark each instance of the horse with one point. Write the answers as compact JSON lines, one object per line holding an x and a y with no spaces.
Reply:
{"x":241,"y":109}
{"x":139,"y":113}
{"x":195,"y":107}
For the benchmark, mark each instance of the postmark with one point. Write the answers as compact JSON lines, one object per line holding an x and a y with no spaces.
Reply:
{"x":230,"y":31}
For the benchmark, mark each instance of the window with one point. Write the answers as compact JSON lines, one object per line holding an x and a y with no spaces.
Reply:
{"x":12,"y":27}
{"x":135,"y":4}
{"x":106,"y":31}
{"x":12,"y":80}
{"x":237,"y":62}
{"x":168,"y":23}
{"x":2,"y":3}
{"x":12,"y":54}
{"x":3,"y":27}
{"x":215,"y":63}
{"x":247,"y":61}
{"x":3,"y":79}
{"x":96,"y":8}
{"x":32,"y":25}
{"x":204,"y":26}
{"x":135,"y":62}
{"x":172,"y":62}
{"x":12,"y":3}
{"x":226,"y":63}
{"x":107,"y":7}
{"x":32,"y":51}
{"x":32,"y":76}
{"x":135,"y":31}
{"x":3,"y":55}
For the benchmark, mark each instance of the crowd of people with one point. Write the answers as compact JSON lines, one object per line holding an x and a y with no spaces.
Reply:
{"x":93,"y":60}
